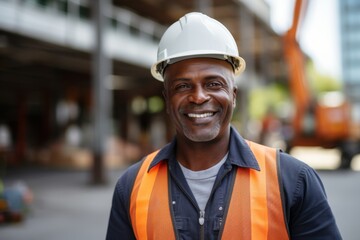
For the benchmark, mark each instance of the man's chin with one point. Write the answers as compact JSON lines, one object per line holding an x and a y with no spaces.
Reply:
{"x":204,"y":135}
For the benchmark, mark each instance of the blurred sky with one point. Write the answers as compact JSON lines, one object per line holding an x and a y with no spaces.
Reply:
{"x":319,"y":33}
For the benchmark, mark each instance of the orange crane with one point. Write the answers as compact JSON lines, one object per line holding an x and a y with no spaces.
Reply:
{"x":316,"y":122}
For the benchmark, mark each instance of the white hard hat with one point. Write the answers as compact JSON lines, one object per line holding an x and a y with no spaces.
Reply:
{"x":196,"y":35}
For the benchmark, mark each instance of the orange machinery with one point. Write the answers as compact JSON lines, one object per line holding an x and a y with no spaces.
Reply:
{"x":316,"y":122}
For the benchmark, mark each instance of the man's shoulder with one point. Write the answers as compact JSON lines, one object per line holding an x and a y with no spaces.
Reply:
{"x":293,"y":168}
{"x":297,"y":176}
{"x":291,"y":161}
{"x":126,"y":180}
{"x":130,"y":173}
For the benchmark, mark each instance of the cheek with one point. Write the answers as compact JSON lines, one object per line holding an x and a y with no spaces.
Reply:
{"x":167,"y":104}
{"x":171,"y":106}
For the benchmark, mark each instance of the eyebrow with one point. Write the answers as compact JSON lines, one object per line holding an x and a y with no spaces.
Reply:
{"x":214,"y":76}
{"x":172,"y":81}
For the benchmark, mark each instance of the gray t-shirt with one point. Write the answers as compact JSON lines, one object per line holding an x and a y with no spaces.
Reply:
{"x":202,"y":182}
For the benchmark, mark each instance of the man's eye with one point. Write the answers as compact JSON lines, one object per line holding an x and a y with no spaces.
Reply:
{"x":181,"y":86}
{"x":214,"y":84}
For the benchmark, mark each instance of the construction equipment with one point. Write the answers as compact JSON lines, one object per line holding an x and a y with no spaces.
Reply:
{"x":325,"y":121}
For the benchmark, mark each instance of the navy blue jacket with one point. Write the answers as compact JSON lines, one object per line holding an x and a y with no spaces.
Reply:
{"x":306,"y":207}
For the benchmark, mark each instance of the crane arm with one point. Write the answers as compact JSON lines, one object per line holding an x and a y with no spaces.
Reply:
{"x":294,"y":58}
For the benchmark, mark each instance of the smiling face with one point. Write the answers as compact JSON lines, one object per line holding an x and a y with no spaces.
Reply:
{"x":200,"y":98}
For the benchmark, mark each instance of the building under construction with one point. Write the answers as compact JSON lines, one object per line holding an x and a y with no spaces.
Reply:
{"x":75,"y":72}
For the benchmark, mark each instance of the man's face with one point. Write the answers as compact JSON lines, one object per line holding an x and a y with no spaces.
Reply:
{"x":200,"y":97}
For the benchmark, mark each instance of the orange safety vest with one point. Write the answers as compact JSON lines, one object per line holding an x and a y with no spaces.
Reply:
{"x":255,"y":210}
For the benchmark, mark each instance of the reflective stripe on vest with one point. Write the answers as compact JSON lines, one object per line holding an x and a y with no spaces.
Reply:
{"x":255,"y":210}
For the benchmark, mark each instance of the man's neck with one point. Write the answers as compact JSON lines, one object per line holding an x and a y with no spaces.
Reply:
{"x":201,"y":155}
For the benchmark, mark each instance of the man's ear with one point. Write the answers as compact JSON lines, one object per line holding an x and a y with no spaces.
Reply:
{"x":164,"y":94}
{"x":234,"y":96}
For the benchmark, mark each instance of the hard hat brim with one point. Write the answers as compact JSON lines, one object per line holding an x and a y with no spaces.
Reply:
{"x":158,"y":74}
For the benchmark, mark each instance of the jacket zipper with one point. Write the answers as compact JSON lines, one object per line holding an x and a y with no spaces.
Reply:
{"x":201,"y":222}
{"x":202,"y":213}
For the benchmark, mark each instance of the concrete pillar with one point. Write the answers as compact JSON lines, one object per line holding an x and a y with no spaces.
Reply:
{"x":101,"y":95}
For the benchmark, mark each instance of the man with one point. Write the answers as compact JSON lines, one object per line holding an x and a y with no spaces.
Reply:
{"x":210,"y":183}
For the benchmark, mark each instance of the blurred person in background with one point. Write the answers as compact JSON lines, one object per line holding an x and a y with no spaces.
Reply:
{"x":15,"y":201}
{"x":209,"y":182}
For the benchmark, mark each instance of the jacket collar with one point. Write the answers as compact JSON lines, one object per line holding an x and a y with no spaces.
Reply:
{"x":240,"y":153}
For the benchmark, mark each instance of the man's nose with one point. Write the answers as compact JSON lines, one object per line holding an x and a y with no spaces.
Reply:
{"x":199,"y":95}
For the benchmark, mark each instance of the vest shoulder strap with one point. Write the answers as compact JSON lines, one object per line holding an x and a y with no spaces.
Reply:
{"x":148,"y":190}
{"x":256,"y":201}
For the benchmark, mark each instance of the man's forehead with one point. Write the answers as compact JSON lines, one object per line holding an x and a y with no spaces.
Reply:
{"x":197,"y":64}
{"x":196,"y":71}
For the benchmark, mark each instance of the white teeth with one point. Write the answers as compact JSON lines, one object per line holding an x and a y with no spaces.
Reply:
{"x":202,"y":115}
